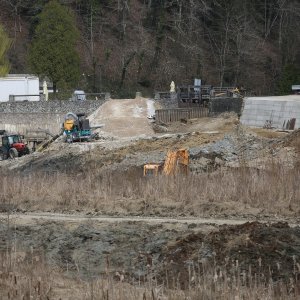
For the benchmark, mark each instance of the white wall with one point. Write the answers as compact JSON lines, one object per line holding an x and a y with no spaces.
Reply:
{"x":19,"y":85}
{"x":278,"y":109}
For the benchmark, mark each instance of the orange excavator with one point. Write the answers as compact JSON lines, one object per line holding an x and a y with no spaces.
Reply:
{"x":177,"y":161}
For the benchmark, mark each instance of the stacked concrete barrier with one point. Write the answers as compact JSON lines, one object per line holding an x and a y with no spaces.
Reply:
{"x":272,"y":112}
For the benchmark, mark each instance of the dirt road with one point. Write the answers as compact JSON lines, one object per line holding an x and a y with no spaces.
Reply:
{"x":31,"y":218}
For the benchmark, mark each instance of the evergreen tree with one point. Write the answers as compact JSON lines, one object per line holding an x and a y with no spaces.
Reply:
{"x":5,"y":43}
{"x":290,"y":76}
{"x":53,"y":52}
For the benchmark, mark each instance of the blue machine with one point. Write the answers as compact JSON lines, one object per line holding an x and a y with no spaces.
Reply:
{"x":76,"y":128}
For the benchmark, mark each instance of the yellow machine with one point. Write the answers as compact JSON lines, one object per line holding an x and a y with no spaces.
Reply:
{"x":177,"y":161}
{"x":69,"y":124}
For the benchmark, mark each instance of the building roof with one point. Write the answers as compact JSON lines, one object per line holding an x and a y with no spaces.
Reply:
{"x":18,"y":76}
{"x":295,"y":87}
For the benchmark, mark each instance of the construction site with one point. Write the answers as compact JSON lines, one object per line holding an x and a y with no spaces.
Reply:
{"x":191,"y":194}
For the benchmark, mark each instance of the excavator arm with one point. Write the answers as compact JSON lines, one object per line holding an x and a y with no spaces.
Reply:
{"x":177,"y":160}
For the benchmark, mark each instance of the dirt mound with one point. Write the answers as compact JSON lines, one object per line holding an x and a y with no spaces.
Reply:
{"x":137,"y":249}
{"x":255,"y":249}
{"x":124,"y":117}
{"x":208,"y":150}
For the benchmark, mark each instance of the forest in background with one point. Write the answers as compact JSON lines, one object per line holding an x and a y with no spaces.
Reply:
{"x":142,"y":45}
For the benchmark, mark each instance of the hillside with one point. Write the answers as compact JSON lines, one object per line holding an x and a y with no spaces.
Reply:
{"x":134,"y":45}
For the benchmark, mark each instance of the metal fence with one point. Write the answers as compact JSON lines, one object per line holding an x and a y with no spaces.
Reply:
{"x":177,"y":114}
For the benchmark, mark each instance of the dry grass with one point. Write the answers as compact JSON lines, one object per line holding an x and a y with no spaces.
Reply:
{"x":273,"y":191}
{"x":31,"y":278}
{"x":267,"y":133}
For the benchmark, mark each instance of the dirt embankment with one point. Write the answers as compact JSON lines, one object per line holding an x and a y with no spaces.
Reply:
{"x":134,"y":249}
{"x":124,"y":117}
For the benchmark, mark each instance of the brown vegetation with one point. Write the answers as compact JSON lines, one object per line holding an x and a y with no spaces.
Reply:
{"x":31,"y":278}
{"x":223,"y":192}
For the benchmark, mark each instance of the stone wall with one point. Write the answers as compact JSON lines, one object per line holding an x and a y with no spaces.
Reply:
{"x":53,"y":106}
{"x":28,"y":117}
{"x":166,"y":100}
{"x":226,"y":104}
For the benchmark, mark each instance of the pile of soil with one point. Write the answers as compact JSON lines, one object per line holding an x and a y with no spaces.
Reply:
{"x":124,"y":117}
{"x":262,"y":250}
{"x":165,"y":250}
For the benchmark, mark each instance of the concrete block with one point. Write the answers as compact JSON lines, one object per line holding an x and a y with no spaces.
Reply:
{"x":278,"y":109}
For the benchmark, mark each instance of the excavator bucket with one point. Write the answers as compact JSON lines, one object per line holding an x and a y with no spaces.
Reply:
{"x":151,"y":169}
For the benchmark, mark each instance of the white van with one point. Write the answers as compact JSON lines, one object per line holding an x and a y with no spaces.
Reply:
{"x":79,"y":95}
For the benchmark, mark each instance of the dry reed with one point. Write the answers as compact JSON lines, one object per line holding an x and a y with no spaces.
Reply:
{"x":273,"y":191}
{"x":31,"y":278}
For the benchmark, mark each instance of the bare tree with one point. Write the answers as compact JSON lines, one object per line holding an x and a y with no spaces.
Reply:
{"x":15,"y":6}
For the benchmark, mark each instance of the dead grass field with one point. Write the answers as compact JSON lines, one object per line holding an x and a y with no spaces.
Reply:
{"x":31,"y":278}
{"x":243,"y":191}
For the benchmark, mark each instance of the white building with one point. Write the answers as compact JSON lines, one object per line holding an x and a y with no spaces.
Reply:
{"x":19,"y":87}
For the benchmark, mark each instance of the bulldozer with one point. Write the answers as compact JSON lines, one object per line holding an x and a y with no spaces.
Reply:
{"x":177,"y":161}
{"x":12,"y":146}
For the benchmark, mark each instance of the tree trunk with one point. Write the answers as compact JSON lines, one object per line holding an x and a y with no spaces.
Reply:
{"x":125,"y":66}
{"x":54,"y":90}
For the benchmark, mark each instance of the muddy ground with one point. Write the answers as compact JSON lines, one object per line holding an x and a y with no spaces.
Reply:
{"x":136,"y":249}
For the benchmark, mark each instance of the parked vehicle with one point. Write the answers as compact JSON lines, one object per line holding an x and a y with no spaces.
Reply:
{"x":79,"y":95}
{"x":12,"y":147}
